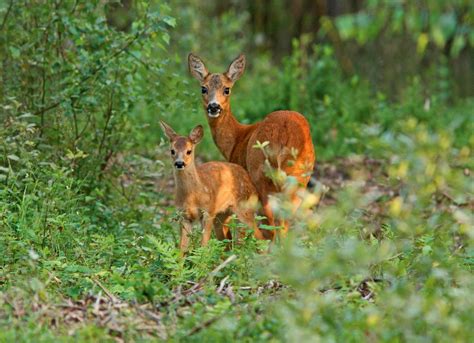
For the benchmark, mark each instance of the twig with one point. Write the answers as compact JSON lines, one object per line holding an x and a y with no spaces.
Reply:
{"x":106,"y":291}
{"x":85,"y":127}
{"x":149,"y":313}
{"x":246,"y":288}
{"x":43,"y":82}
{"x":395,"y":256}
{"x":71,"y":307}
{"x":204,"y":325}
{"x":94,"y":72}
{"x":142,"y":62}
{"x":96,"y":310}
{"x":222,"y":265}
{"x":6,"y":15}
{"x":108,"y":115}
{"x":222,"y":284}
{"x":197,"y":286}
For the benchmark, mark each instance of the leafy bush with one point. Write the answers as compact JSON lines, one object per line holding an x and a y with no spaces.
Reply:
{"x":77,"y":76}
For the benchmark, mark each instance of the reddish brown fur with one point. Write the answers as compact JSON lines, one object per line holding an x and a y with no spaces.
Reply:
{"x":284,"y":130}
{"x":210,"y":192}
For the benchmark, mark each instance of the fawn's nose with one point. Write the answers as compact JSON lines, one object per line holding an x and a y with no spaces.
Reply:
{"x":179,"y":164}
{"x":214,"y":108}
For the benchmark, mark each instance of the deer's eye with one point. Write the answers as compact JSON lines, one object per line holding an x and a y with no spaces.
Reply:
{"x":203,"y":90}
{"x":227,"y":91}
{"x":173,"y":152}
{"x":188,"y":152}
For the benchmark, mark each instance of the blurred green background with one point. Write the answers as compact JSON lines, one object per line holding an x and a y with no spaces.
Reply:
{"x":341,"y":63}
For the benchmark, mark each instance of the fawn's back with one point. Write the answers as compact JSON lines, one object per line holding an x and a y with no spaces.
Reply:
{"x":222,"y":187}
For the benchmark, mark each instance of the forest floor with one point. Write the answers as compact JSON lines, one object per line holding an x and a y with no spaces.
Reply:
{"x":117,"y":316}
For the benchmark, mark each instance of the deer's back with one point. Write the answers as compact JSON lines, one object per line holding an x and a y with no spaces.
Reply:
{"x":290,"y":140}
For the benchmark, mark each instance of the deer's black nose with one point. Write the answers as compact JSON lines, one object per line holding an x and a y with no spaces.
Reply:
{"x":213,"y":108}
{"x":179,"y":164}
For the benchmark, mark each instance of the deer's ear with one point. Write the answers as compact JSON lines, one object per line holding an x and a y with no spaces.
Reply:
{"x":236,"y":68}
{"x":197,"y":67}
{"x":196,"y":134}
{"x":168,"y":131}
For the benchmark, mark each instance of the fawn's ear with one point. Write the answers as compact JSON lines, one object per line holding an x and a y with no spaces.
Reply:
{"x":196,"y":134}
{"x":168,"y":131}
{"x":197,"y":67}
{"x":236,"y":68}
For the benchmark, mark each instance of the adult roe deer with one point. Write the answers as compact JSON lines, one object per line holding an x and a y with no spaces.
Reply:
{"x":211,"y":191}
{"x":290,"y":145}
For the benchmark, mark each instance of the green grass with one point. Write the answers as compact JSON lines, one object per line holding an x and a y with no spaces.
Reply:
{"x":89,"y":260}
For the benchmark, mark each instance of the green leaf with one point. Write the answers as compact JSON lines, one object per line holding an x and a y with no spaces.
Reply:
{"x":166,"y":38}
{"x":14,"y":52}
{"x":13,"y":157}
{"x":458,"y":44}
{"x":170,"y":21}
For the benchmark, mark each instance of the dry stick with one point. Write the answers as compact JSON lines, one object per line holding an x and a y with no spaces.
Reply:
{"x":106,"y":291}
{"x":222,"y":284}
{"x":149,"y":313}
{"x":209,"y":322}
{"x":198,"y":285}
{"x":222,"y":265}
{"x":204,"y":325}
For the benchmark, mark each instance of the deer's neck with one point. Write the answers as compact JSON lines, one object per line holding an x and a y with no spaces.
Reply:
{"x":228,"y":133}
{"x":187,"y":181}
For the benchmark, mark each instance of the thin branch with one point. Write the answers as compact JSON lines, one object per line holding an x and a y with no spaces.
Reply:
{"x":142,"y":62}
{"x":204,"y":325}
{"x":76,"y":129}
{"x":6,"y":15}
{"x":74,"y":6}
{"x":43,"y":81}
{"x":222,"y":265}
{"x":106,"y":291}
{"x":108,"y":116}
{"x":94,"y":72}
{"x":84,"y":128}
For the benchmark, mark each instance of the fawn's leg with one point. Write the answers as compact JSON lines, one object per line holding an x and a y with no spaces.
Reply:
{"x":186,"y":227}
{"x":220,"y":226}
{"x":207,"y":224}
{"x":247,"y":217}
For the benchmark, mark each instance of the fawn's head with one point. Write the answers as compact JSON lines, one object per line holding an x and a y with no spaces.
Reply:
{"x":182,"y":147}
{"x":216,"y":88}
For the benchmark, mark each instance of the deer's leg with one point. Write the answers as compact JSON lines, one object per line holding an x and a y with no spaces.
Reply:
{"x":220,"y":226}
{"x":268,"y":213}
{"x":207,"y":224}
{"x":284,"y":223}
{"x":246,"y":216}
{"x":264,"y":187}
{"x":186,"y":227}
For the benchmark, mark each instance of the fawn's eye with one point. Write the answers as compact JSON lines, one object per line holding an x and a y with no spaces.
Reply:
{"x":173,"y":152}
{"x":227,"y":91}
{"x":189,"y":152}
{"x":203,"y":90}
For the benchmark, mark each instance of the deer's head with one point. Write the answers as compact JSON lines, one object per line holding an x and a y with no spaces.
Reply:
{"x":216,"y":88}
{"x":182,"y":147}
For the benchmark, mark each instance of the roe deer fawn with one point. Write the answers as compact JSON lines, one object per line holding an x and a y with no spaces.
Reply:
{"x":290,"y":145}
{"x":211,"y":191}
